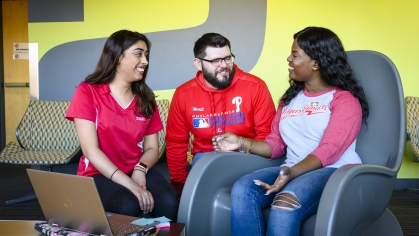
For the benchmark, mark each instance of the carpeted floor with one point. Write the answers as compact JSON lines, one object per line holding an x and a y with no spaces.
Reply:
{"x":404,"y":204}
{"x":14,"y":183}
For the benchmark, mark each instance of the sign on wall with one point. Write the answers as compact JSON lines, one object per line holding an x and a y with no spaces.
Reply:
{"x":20,"y":51}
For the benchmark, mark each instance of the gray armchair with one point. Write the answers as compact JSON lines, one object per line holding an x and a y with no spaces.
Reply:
{"x":354,"y":201}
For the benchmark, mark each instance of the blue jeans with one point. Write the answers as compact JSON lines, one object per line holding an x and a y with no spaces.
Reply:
{"x":248,"y":200}
{"x":198,"y":156}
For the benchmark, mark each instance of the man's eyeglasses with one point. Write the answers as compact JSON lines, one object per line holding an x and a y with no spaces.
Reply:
{"x":218,"y":61}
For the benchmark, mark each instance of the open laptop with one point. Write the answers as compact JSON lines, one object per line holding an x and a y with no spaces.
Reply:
{"x":73,"y":202}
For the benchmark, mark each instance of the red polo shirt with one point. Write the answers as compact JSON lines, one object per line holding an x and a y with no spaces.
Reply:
{"x":120,"y":132}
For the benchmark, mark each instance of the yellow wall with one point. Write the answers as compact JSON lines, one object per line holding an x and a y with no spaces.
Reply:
{"x":387,"y":26}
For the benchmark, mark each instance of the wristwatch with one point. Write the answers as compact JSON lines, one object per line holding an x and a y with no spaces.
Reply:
{"x":142,"y":166}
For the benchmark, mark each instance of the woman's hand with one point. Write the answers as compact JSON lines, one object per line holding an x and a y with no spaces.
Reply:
{"x":280,"y":182}
{"x":144,"y":197}
{"x":226,"y":142}
{"x":139,"y":177}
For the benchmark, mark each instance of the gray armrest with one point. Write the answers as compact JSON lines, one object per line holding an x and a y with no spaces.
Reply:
{"x":214,"y":172}
{"x":354,"y":197}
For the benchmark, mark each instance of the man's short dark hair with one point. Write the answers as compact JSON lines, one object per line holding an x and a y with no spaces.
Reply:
{"x":209,"y":40}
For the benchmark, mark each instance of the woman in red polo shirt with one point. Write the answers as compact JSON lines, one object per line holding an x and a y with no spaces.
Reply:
{"x":117,"y":123}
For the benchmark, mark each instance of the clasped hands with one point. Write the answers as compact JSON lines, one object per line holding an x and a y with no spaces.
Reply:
{"x":145,"y":198}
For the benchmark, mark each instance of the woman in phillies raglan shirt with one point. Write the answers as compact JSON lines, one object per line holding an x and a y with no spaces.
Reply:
{"x":117,"y":123}
{"x":316,"y":125}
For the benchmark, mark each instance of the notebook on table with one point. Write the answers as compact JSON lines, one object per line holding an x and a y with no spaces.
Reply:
{"x":73,"y":202}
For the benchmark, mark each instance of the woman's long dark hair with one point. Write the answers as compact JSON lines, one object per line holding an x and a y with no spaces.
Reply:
{"x":324,"y":46}
{"x":105,"y":71}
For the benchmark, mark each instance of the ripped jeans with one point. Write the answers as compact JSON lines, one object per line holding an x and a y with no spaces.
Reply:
{"x":300,"y":197}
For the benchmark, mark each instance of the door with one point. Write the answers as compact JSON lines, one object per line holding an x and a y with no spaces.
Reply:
{"x":16,"y":72}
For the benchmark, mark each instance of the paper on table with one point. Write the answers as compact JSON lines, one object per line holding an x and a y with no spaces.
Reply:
{"x":164,"y":222}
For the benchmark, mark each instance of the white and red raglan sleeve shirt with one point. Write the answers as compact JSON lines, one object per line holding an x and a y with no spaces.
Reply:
{"x":324,"y":124}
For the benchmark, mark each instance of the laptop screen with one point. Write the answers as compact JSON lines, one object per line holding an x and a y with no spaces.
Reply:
{"x":70,"y":201}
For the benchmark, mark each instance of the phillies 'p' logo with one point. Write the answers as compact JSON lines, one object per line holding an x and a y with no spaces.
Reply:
{"x":238,"y":102}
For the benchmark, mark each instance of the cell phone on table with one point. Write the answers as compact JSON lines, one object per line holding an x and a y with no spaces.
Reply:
{"x":150,"y":228}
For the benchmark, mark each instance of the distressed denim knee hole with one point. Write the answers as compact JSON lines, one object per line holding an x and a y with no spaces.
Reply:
{"x":286,"y":201}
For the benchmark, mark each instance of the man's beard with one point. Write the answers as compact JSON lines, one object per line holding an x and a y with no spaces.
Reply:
{"x":212,"y":79}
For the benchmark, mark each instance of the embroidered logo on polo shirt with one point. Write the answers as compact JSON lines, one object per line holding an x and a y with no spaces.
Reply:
{"x":140,"y":118}
{"x":197,"y":109}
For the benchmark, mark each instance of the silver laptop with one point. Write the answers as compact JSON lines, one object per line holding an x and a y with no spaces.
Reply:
{"x":73,"y":202}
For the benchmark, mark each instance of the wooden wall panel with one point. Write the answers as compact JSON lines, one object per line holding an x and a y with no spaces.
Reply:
{"x":15,"y":30}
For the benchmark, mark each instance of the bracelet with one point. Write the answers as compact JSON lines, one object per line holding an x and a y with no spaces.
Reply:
{"x":141,"y":170}
{"x":142,"y":166}
{"x":252,"y":144}
{"x":113,"y":173}
{"x":241,"y":148}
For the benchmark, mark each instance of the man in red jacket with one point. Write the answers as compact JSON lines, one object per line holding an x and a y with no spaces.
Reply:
{"x":219,"y":99}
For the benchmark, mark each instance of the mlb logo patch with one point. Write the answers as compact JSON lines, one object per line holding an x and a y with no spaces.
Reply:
{"x":200,"y":122}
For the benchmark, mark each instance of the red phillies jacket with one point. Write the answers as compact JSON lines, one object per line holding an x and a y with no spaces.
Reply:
{"x":245,"y":108}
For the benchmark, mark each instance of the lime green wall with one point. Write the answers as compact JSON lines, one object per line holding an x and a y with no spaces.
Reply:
{"x":387,"y":26}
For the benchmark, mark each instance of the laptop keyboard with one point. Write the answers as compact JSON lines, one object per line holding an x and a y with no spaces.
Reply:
{"x":121,"y":228}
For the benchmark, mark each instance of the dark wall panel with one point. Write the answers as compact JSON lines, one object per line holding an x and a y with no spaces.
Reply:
{"x":55,"y":10}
